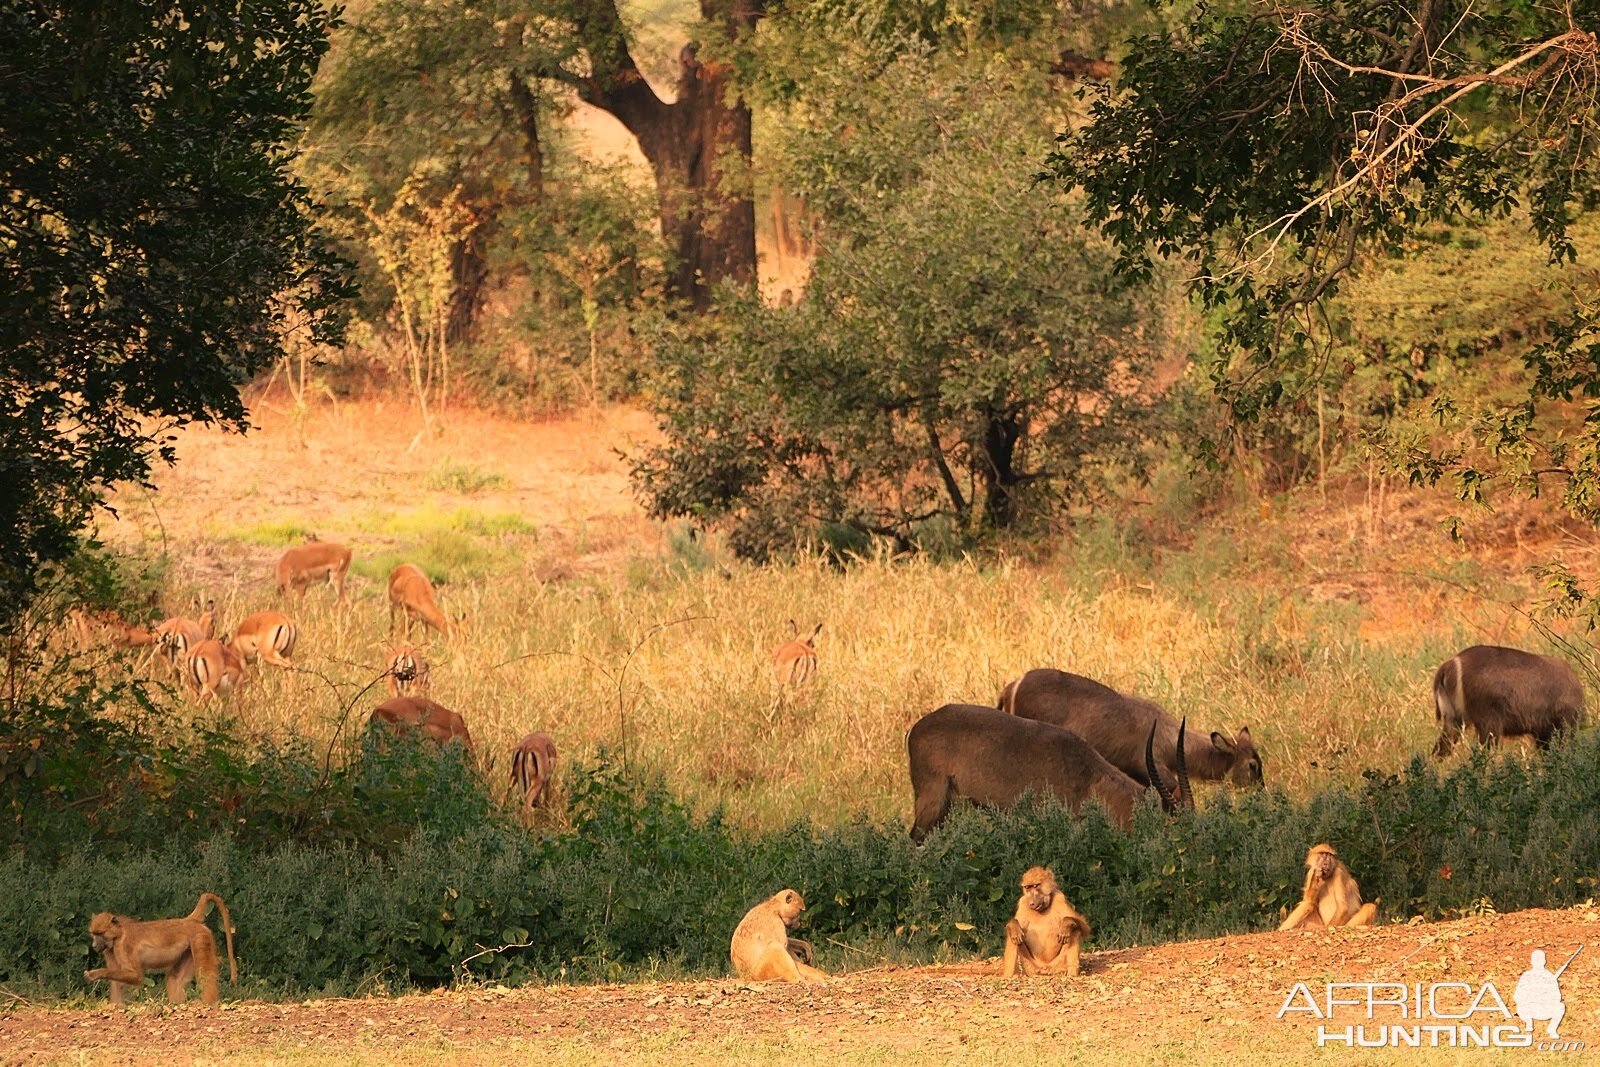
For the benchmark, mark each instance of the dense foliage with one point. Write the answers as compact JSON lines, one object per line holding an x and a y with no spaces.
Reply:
{"x":152,"y":242}
{"x":961,"y":362}
{"x":1278,"y":149}
{"x":638,"y":882}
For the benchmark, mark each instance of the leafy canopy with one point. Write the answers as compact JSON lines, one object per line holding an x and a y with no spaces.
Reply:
{"x":1278,"y":148}
{"x":152,"y":242}
{"x":961,"y":361}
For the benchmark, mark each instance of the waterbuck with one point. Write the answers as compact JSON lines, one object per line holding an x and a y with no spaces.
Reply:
{"x":1504,"y":692}
{"x":992,"y":758}
{"x":1116,"y":725}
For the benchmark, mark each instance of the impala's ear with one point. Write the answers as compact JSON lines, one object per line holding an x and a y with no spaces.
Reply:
{"x":794,"y":631}
{"x":815,"y":631}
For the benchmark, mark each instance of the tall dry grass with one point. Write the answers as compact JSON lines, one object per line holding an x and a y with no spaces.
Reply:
{"x":670,"y":667}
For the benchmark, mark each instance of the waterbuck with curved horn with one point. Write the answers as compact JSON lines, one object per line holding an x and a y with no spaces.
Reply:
{"x":992,"y":759}
{"x":1115,"y":725}
{"x":1504,"y":692}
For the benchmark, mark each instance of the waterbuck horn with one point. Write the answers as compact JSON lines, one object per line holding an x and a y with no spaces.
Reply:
{"x":1185,"y":794}
{"x":1168,"y":803}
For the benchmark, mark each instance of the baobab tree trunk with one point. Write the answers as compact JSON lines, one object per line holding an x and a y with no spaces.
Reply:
{"x":707,"y":211}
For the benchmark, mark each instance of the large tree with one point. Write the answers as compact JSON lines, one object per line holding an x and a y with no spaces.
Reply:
{"x":1279,"y":147}
{"x":152,"y":242}
{"x":960,"y":363}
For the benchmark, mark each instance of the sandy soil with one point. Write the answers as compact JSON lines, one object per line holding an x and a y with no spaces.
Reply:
{"x":1202,"y":1000}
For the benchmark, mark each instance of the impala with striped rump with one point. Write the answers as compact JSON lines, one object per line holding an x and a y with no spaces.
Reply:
{"x":213,"y":666}
{"x":266,"y":635}
{"x":408,"y":672}
{"x":533,"y":765}
{"x":795,"y":661}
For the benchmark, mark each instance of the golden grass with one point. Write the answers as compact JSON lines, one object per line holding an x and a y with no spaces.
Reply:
{"x":613,"y":640}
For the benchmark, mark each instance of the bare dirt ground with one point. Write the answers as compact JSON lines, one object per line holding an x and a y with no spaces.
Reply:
{"x":1210,"y":1001}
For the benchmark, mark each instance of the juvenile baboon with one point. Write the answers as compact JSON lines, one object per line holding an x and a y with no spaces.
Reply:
{"x":1047,"y":933}
{"x":181,"y":947}
{"x":762,"y":949}
{"x":1331,"y":896}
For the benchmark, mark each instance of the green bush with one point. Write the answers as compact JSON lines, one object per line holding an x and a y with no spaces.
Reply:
{"x":639,"y":883}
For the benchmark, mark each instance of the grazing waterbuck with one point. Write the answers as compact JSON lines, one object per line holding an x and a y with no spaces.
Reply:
{"x":1117,"y":725}
{"x":1504,"y":692}
{"x":992,"y":758}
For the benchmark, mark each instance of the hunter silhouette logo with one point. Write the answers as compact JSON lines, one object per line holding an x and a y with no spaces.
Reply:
{"x":1538,"y":992}
{"x":1438,"y":1014}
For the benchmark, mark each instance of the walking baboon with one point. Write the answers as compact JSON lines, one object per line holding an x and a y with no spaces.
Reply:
{"x":181,"y":947}
{"x":763,"y":951}
{"x":1047,"y":933}
{"x":1331,"y":896}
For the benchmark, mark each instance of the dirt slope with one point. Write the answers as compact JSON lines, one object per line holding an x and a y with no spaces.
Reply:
{"x":1211,"y":1001}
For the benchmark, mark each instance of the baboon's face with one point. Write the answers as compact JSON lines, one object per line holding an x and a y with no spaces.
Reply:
{"x":1038,"y":889}
{"x":790,"y":905}
{"x":104,"y":931}
{"x":1323,"y":861}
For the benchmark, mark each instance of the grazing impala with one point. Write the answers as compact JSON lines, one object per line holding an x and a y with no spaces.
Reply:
{"x":90,"y":627}
{"x":176,"y":636}
{"x":533,"y":764}
{"x":437,"y":722}
{"x":311,"y":562}
{"x":408,"y":672}
{"x":213,"y":666}
{"x":1504,"y":692}
{"x":267,"y":635}
{"x":411,"y":595}
{"x":795,"y":661}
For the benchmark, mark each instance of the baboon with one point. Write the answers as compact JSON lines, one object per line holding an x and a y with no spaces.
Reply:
{"x":762,"y":949}
{"x":1047,"y":933}
{"x":795,"y":661}
{"x":182,"y":947}
{"x":533,"y":765}
{"x":1331,"y":896}
{"x":1504,"y":692}
{"x":1117,"y":725}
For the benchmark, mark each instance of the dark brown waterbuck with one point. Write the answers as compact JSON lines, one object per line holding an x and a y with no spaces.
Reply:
{"x":1504,"y":692}
{"x":1117,"y":725}
{"x":992,"y":758}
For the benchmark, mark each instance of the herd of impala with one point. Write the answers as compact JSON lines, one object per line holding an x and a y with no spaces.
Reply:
{"x":1050,"y":732}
